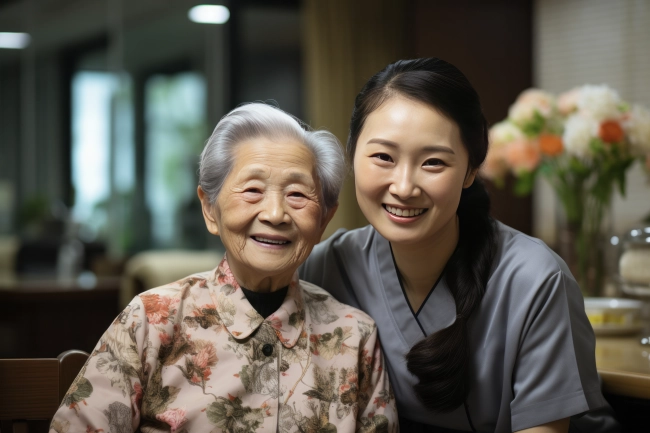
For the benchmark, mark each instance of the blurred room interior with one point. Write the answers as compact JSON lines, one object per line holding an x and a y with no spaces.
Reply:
{"x":106,"y":106}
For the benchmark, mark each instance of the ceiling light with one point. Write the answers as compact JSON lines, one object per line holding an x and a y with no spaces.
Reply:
{"x":15,"y":41}
{"x":209,"y":14}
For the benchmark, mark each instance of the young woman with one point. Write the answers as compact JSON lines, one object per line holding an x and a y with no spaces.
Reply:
{"x":483,"y":327}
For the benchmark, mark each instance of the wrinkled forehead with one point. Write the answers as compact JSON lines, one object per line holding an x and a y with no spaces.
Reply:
{"x":263,"y":158}
{"x":287,"y":172}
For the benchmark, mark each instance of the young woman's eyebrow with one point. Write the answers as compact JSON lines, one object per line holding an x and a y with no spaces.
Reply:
{"x":430,"y":148}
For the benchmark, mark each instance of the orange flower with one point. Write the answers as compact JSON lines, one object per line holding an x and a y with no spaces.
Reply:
{"x":522,"y":155}
{"x":550,"y":145}
{"x":610,"y":131}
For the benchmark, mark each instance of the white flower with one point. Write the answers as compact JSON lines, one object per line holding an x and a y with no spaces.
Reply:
{"x":529,"y":102}
{"x":578,"y":132}
{"x":600,"y":102}
{"x":503,"y":133}
{"x":637,"y":128}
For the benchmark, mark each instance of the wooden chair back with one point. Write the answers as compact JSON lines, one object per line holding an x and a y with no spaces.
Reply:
{"x":32,"y":389}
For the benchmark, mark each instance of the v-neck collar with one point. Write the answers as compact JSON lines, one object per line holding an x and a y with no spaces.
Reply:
{"x":438,"y":310}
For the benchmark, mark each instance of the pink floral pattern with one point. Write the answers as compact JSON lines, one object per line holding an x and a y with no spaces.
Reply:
{"x":173,"y":417}
{"x":195,"y":356}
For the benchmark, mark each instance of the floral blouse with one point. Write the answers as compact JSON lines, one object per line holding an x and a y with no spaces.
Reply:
{"x":194,"y":356}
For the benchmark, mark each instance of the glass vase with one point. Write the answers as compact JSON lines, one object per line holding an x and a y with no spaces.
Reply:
{"x":581,"y":241}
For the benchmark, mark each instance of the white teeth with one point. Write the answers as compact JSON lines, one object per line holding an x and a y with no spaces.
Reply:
{"x":404,"y":212}
{"x":269,"y":241}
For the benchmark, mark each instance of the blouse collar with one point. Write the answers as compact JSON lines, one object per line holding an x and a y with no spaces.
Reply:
{"x":241,"y":319}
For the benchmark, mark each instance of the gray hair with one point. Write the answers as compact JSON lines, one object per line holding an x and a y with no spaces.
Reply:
{"x":261,"y":120}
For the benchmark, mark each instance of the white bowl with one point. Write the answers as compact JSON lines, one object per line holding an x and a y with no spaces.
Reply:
{"x":614,"y":316}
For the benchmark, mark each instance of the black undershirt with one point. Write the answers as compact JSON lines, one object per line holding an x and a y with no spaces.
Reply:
{"x":266,"y":303}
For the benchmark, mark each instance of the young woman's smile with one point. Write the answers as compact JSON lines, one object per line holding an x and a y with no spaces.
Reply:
{"x":410,"y":168}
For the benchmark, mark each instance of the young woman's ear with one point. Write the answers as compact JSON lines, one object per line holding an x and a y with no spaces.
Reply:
{"x":469,"y":178}
{"x":208,"y":212}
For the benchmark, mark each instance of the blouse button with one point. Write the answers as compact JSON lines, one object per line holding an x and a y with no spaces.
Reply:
{"x":267,"y":349}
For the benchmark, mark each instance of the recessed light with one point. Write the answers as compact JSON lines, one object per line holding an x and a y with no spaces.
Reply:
{"x":209,"y":14}
{"x":14,"y":41}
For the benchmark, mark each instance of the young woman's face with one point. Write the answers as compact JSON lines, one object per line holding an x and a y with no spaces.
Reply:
{"x":410,"y":167}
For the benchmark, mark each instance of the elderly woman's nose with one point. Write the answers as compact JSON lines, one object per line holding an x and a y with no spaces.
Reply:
{"x":403,"y":183}
{"x":273,"y":209}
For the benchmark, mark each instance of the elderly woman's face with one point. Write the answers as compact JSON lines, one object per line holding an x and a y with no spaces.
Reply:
{"x":269,"y":212}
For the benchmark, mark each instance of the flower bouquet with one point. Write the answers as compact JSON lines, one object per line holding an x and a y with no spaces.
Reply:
{"x":582,"y":142}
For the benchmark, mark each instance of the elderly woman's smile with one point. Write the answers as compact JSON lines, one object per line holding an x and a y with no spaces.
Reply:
{"x":269,"y":213}
{"x":246,"y":346}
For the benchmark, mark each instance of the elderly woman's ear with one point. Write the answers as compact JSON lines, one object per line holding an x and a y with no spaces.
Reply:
{"x":207,"y":209}
{"x":327,"y":218}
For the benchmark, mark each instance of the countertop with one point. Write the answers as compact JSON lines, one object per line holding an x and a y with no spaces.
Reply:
{"x":624,"y":365}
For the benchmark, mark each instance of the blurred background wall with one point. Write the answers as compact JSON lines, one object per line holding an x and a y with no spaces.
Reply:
{"x":103,"y":114}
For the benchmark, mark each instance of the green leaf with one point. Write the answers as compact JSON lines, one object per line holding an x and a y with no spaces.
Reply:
{"x":535,"y":126}
{"x":328,"y":428}
{"x":524,"y":184}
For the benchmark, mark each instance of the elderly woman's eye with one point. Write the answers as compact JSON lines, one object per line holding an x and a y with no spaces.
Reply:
{"x":383,"y":156}
{"x":297,"y":194}
{"x":253,"y":190}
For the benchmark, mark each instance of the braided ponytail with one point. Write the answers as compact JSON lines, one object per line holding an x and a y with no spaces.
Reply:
{"x":441,"y":360}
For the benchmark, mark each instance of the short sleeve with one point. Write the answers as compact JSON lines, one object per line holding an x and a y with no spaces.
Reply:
{"x":555,"y":374}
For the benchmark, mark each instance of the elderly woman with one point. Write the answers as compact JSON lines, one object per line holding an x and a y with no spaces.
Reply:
{"x":246,"y":347}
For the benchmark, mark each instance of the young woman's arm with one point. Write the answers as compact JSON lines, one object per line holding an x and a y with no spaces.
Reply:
{"x":559,"y":426}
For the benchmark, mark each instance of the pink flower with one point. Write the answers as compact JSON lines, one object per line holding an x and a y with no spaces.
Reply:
{"x":495,"y":165}
{"x":528,"y":103}
{"x":136,"y":399}
{"x":165,"y":338}
{"x":158,"y":308}
{"x":567,"y":102}
{"x":175,"y":418}
{"x":224,"y":274}
{"x":275,"y":322}
{"x":206,"y":357}
{"x":522,"y":156}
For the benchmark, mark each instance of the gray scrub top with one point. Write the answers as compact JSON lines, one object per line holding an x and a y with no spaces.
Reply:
{"x":532,"y":347}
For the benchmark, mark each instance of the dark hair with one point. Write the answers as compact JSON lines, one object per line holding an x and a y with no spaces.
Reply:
{"x":441,"y":360}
